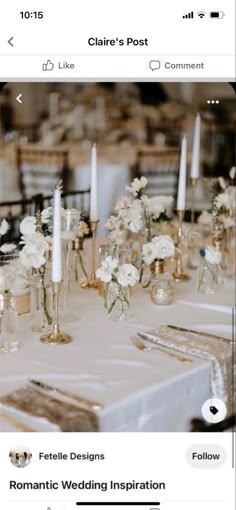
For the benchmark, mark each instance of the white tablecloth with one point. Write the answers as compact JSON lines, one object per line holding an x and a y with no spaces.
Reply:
{"x":140,"y":391}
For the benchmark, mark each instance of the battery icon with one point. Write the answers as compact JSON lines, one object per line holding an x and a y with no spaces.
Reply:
{"x":217,"y":14}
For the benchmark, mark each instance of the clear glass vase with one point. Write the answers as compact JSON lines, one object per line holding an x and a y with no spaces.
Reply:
{"x":41,"y":302}
{"x":207,"y":278}
{"x":118,"y":302}
{"x":162,"y":286}
{"x":79,"y":262}
{"x":8,"y":322}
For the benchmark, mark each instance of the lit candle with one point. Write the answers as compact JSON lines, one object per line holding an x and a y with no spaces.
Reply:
{"x":182,"y":176}
{"x":56,"y":250}
{"x":195,"y":164}
{"x":94,"y":191}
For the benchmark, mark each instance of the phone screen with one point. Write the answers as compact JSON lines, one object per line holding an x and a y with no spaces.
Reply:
{"x":117,"y":255}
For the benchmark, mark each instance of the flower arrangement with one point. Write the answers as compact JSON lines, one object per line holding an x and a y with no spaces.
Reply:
{"x":137,"y":212}
{"x":120,"y":277}
{"x":159,"y":248}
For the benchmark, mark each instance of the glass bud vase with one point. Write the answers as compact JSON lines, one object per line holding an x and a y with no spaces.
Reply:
{"x":41,"y":302}
{"x":8,"y":322}
{"x":207,"y":277}
{"x":79,"y":262}
{"x":118,"y":302}
{"x":162,"y":287}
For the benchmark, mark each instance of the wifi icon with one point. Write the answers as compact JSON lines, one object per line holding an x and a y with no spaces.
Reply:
{"x":201,"y":14}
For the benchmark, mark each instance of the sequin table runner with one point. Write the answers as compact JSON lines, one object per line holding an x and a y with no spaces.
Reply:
{"x":68,"y":416}
{"x":219,"y":353}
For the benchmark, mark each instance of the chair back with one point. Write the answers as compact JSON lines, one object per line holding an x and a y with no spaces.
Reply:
{"x":40,"y":169}
{"x":161,"y":167}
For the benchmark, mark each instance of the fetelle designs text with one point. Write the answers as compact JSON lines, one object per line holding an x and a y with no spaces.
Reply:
{"x":88,"y":485}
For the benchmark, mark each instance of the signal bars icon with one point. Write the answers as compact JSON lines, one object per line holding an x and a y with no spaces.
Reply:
{"x":189,"y":15}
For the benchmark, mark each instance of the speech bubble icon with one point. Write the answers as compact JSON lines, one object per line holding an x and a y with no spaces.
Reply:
{"x":154,"y":64}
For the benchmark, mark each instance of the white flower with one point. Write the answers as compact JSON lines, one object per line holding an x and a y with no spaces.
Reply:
{"x":7,"y":248}
{"x":105,"y":272}
{"x":164,"y":246}
{"x":232,"y":172}
{"x":83,"y":229}
{"x":205,"y":218}
{"x":46,"y":215}
{"x":127,"y":275}
{"x":113,"y":222}
{"x":123,"y":203}
{"x":4,"y":227}
{"x":154,"y":206}
{"x":34,"y":252}
{"x":212,"y":255}
{"x":116,"y":236}
{"x":222,"y":200}
{"x":133,"y":220}
{"x":137,"y":185}
{"x":149,"y":253}
{"x":27,"y":226}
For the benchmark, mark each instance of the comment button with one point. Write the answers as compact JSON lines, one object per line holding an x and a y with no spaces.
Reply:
{"x":154,"y":65}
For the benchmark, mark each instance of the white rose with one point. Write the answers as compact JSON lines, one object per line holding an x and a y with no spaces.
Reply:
{"x":164,"y":246}
{"x":127,"y":275}
{"x":149,"y":253}
{"x":27,"y":226}
{"x":30,"y":257}
{"x":212,"y":255}
{"x":222,"y":200}
{"x":155,"y":207}
{"x":4,"y":227}
{"x":105,"y":272}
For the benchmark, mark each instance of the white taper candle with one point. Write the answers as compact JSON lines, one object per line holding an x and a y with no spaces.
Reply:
{"x":195,"y":163}
{"x":182,"y":176}
{"x":56,"y":250}
{"x":94,"y":191}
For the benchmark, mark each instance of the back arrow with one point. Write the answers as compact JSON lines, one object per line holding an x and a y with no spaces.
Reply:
{"x":10,"y":41}
{"x":18,"y":98}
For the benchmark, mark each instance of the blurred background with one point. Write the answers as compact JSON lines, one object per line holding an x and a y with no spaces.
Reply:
{"x":137,"y":128}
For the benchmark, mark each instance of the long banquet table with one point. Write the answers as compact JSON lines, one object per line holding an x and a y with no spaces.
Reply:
{"x":139,"y":391}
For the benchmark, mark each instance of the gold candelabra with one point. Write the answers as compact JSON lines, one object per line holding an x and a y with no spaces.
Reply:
{"x":179,"y":274}
{"x":194,"y":181}
{"x":56,"y":337}
{"x":92,"y":283}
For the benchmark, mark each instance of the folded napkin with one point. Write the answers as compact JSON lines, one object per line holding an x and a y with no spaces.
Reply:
{"x":68,"y":416}
{"x":219,"y":353}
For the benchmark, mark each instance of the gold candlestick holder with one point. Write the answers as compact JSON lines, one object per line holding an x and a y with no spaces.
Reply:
{"x":56,"y":337}
{"x":193,"y":181}
{"x":179,"y":274}
{"x":92,"y":283}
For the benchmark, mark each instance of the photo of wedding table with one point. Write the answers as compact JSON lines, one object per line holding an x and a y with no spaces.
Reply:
{"x":139,"y":391}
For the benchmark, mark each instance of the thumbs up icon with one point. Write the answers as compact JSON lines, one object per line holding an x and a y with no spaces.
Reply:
{"x":48,"y":66}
